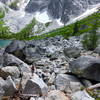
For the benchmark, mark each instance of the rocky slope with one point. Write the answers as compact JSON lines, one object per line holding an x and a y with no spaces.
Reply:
{"x":62,"y":69}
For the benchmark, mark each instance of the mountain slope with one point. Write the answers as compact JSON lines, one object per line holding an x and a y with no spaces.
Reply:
{"x":46,"y":16}
{"x":62,"y":9}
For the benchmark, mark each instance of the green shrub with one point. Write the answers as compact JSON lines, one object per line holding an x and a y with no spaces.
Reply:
{"x":26,"y":32}
{"x":90,"y":40}
{"x":75,"y":28}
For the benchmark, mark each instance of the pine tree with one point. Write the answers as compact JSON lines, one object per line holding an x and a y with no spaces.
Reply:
{"x":75,"y":29}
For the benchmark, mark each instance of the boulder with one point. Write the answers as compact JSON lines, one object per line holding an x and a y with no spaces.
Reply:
{"x":56,"y":95}
{"x":51,"y":79}
{"x":9,"y":87}
{"x":87,"y":67}
{"x":32,"y":53}
{"x":2,"y":82}
{"x":16,"y":48}
{"x":9,"y":71}
{"x":53,"y":95}
{"x":1,"y":56}
{"x":97,"y":50}
{"x":35,"y":86}
{"x":53,"y":56}
{"x":81,"y":95}
{"x":1,"y":93}
{"x":72,"y":52}
{"x":10,"y":60}
{"x":67,"y":83}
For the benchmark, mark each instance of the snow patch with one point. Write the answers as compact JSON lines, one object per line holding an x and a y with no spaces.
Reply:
{"x":59,"y":22}
{"x":42,"y":17}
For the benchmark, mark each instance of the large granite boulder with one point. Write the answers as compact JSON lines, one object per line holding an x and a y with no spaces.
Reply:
{"x":53,"y":95}
{"x":72,"y":52}
{"x":1,"y":93}
{"x":2,"y":83}
{"x":10,"y":60}
{"x":67,"y":83}
{"x":9,"y":71}
{"x":87,"y":67}
{"x":56,"y":95}
{"x":1,"y":56}
{"x":7,"y":86}
{"x":33,"y":53}
{"x":81,"y":95}
{"x":36,"y":86}
{"x":97,"y":50}
{"x":16,"y":48}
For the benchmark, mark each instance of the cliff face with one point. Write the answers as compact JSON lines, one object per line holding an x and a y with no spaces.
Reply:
{"x":60,"y":8}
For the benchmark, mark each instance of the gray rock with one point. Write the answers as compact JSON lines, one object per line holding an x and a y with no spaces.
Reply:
{"x":53,"y":56}
{"x":87,"y":67}
{"x":53,"y":95}
{"x":9,"y":71}
{"x":86,"y":82}
{"x":1,"y":93}
{"x":16,"y":48}
{"x":9,"y":87}
{"x":1,"y":57}
{"x":52,"y":87}
{"x":33,"y":53}
{"x":10,"y":60}
{"x":56,"y":95}
{"x":35,"y":86}
{"x":97,"y":50}
{"x":52,"y":78}
{"x":81,"y":95}
{"x":2,"y":82}
{"x":74,"y":41}
{"x":67,"y":83}
{"x":72,"y":52}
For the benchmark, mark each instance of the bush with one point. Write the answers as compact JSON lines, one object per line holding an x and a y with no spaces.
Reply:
{"x":75,"y":28}
{"x":90,"y":40}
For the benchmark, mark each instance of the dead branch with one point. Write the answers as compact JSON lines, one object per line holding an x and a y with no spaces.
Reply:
{"x":29,"y":95}
{"x":94,"y":87}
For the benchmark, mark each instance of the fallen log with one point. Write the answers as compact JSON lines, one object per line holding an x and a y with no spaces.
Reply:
{"x":94,"y":87}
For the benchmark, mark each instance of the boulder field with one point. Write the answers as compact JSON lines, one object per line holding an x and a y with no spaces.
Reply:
{"x":62,"y":69}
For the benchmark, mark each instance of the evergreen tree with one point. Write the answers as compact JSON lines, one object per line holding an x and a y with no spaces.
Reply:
{"x":90,"y":40}
{"x":75,"y":29}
